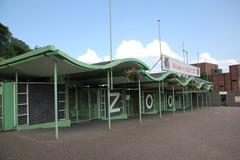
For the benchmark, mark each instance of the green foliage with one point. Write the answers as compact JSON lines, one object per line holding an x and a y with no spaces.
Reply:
{"x":10,"y":46}
{"x":172,"y":81}
{"x":133,"y":74}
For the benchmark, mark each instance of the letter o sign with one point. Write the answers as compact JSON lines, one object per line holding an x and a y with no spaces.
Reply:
{"x":149,"y":101}
{"x":170,"y":101}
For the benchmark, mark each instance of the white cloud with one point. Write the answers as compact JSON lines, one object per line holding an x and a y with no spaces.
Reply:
{"x":222,"y":64}
{"x":149,"y":54}
{"x":106,"y":58}
{"x":134,"y":48}
{"x":89,"y":57}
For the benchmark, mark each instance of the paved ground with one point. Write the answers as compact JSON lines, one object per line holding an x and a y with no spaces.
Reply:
{"x":212,"y":133}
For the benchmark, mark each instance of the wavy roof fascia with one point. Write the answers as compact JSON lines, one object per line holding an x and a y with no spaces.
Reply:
{"x":50,"y":50}
{"x":162,"y":76}
{"x":100,"y":66}
{"x":198,"y":82}
{"x":27,"y":56}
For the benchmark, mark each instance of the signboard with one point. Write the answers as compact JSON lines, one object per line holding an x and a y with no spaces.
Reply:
{"x":223,"y":93}
{"x":237,"y":99}
{"x":116,"y":102}
{"x":170,"y":64}
{"x":170,"y":101}
{"x":148,"y":101}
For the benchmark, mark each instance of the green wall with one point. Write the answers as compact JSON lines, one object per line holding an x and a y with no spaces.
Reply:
{"x":8,"y":106}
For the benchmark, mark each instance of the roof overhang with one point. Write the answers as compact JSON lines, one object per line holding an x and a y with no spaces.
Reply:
{"x":39,"y":63}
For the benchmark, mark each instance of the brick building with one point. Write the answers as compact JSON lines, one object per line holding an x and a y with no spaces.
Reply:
{"x":208,"y":69}
{"x":226,"y":85}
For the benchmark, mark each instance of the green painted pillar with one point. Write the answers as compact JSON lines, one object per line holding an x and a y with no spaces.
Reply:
{"x":159,"y":99}
{"x":163,"y":95}
{"x":109,"y":108}
{"x":187,"y":97}
{"x":173,"y":95}
{"x":16,"y":99}
{"x":183,"y":95}
{"x":56,"y":100}
{"x":140,"y":101}
{"x":67,"y":98}
{"x":111,"y":79}
{"x":89,"y":104}
{"x":191,"y":101}
{"x":76,"y":104}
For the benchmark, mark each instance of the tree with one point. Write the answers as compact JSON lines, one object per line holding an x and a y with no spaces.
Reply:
{"x":9,"y":45}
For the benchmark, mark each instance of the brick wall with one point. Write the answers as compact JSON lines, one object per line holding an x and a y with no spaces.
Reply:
{"x":227,"y":81}
{"x":231,"y":98}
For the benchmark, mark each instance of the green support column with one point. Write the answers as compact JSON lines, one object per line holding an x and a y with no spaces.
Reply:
{"x":202,"y":99}
{"x":67,"y":99}
{"x":187,"y":98}
{"x":56,"y":100}
{"x":16,"y":99}
{"x":109,"y":108}
{"x":76,"y":104}
{"x":111,"y":79}
{"x":183,"y":94}
{"x":191,"y":101}
{"x":159,"y":99}
{"x":140,"y":101}
{"x":173,"y":95}
{"x":163,"y":95}
{"x":89,"y":105}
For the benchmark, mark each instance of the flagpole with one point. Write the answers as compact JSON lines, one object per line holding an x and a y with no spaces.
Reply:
{"x":160,"y":45}
{"x":110,"y":28}
{"x":160,"y":49}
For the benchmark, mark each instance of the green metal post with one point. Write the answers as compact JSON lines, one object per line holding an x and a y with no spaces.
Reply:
{"x":109,"y":108}
{"x":187,"y":97}
{"x":183,"y":94}
{"x":111,"y":79}
{"x":56,"y":100}
{"x":67,"y":98}
{"x":191,"y":101}
{"x":140,"y":101}
{"x":173,"y":95}
{"x":76,"y":104}
{"x":89,"y":105}
{"x":202,"y":99}
{"x":16,"y":98}
{"x":159,"y":99}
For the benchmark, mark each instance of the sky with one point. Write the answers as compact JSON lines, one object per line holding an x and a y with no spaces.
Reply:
{"x":80,"y":28}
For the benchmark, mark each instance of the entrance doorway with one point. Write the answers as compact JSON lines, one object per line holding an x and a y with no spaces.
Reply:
{"x":223,"y":100}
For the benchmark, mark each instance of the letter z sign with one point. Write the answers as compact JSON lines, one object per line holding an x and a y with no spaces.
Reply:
{"x":113,"y":103}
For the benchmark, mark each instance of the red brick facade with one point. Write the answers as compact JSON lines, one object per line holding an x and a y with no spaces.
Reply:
{"x":206,"y":68}
{"x":222,"y":81}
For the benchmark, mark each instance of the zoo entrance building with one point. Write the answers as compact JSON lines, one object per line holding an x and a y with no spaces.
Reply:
{"x":46,"y":88}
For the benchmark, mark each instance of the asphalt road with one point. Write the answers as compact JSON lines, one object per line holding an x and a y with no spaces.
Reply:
{"x":208,"y":134}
